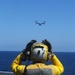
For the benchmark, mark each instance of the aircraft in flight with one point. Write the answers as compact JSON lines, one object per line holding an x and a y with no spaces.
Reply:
{"x":40,"y":24}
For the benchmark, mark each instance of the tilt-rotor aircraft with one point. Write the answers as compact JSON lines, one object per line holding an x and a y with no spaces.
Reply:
{"x":40,"y":24}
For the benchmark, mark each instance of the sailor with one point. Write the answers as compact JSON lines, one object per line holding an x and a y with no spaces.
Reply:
{"x":38,"y":53}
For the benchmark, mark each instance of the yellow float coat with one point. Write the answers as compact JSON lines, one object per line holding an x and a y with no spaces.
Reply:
{"x":56,"y":66}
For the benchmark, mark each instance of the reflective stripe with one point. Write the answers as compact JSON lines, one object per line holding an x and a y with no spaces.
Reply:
{"x":38,"y":72}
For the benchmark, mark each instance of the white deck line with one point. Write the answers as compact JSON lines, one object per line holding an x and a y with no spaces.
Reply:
{"x":6,"y":73}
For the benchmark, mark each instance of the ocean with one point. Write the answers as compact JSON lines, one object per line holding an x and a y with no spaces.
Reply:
{"x":67,"y":59}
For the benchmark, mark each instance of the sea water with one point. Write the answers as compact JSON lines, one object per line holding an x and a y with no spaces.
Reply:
{"x":67,"y":59}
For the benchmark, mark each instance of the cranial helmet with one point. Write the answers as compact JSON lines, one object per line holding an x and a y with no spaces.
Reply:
{"x":39,"y":52}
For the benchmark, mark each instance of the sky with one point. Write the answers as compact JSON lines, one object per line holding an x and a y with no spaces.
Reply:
{"x":18,"y":27}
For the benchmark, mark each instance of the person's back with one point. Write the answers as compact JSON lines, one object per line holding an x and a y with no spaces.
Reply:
{"x":38,"y":67}
{"x":42,"y":69}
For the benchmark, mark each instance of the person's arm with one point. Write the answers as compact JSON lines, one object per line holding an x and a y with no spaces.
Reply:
{"x":57,"y":64}
{"x":16,"y":66}
{"x":55,"y":61}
